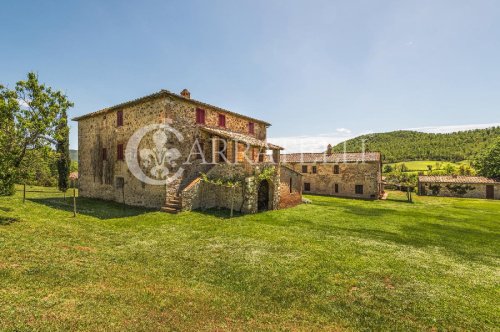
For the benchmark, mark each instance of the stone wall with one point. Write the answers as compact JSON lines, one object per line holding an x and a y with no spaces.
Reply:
{"x":104,"y":178}
{"x":244,"y":197}
{"x":367,"y":174}
{"x":466,"y":190}
{"x":290,"y":188}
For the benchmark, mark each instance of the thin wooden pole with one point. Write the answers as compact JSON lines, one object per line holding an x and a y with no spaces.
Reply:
{"x":74,"y":201}
{"x":24,"y":193}
{"x":232,"y":201}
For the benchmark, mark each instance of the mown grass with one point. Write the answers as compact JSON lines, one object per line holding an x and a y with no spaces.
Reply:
{"x":336,"y":264}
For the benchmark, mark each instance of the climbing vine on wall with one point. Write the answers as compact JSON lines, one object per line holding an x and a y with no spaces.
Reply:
{"x":459,"y":189}
{"x":267,"y":173}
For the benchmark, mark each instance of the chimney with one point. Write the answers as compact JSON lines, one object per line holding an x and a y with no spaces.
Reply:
{"x":186,"y":94}
{"x":329,"y":150}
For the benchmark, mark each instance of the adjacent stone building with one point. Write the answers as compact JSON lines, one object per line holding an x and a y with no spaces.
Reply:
{"x":169,"y":151}
{"x":459,"y":186}
{"x":357,"y":175}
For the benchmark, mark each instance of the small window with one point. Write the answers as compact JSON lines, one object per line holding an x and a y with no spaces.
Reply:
{"x":291,"y":182}
{"x":251,"y":128}
{"x":200,"y":116}
{"x":336,"y":169}
{"x":358,"y":189}
{"x":119,"y":118}
{"x":119,"y":183}
{"x":307,"y":186}
{"x":104,"y":154}
{"x":336,"y":188}
{"x":304,"y":168}
{"x":315,"y":169}
{"x":222,"y":120}
{"x":119,"y":152}
{"x":261,"y":157}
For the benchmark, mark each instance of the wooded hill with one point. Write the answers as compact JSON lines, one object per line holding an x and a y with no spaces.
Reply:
{"x":406,"y":145}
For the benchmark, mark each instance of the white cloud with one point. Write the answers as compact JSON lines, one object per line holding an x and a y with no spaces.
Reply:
{"x":344,"y":130}
{"x":454,"y":128}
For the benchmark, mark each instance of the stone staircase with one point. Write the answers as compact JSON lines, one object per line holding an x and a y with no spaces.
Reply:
{"x":173,"y":205}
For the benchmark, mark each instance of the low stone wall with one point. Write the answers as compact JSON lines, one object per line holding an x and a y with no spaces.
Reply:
{"x":465,"y":190}
{"x":243,"y":198}
{"x":290,"y":188}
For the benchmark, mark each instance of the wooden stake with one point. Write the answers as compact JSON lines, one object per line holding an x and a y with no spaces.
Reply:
{"x":24,"y":193}
{"x":74,"y":202}
{"x":232,"y":201}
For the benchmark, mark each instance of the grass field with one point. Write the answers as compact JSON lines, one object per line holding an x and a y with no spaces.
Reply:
{"x":421,"y":165}
{"x":335,"y":264}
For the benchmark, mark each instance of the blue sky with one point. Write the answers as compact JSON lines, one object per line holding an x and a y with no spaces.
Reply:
{"x":318,"y":70}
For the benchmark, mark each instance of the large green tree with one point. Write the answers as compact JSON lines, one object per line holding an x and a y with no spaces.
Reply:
{"x":488,"y":162}
{"x":29,"y":116}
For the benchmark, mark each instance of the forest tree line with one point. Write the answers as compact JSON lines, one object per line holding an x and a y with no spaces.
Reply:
{"x":404,"y":145}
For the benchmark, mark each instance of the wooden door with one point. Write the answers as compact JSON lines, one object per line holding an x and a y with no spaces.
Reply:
{"x":490,"y":191}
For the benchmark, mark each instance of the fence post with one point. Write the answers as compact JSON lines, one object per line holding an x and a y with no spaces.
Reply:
{"x":74,"y":201}
{"x":24,"y":192}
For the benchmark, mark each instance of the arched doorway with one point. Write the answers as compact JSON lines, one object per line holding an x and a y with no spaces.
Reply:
{"x":263,"y":196}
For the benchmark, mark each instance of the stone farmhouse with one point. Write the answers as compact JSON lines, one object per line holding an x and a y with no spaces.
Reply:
{"x":357,"y":175}
{"x":459,"y":186}
{"x":189,"y":155}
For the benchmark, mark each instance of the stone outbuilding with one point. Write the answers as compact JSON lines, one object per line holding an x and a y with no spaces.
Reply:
{"x":458,"y":186}
{"x":171,"y":152}
{"x":356,"y":175}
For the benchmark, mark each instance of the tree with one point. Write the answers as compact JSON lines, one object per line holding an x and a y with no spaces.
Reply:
{"x":62,"y":148}
{"x":388,"y":168}
{"x":29,"y":115}
{"x":488,"y":162}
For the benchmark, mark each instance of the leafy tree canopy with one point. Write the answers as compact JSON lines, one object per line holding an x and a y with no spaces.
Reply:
{"x":488,"y":162}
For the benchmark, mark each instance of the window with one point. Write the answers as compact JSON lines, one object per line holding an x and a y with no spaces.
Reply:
{"x":119,"y":118}
{"x":119,"y":183}
{"x":251,"y":128}
{"x":222,"y":120}
{"x":315,"y":170}
{"x":336,"y":169}
{"x":200,"y":116}
{"x":291,"y":185}
{"x":104,"y":154}
{"x":358,"y":189}
{"x":307,"y":186}
{"x":336,"y":188}
{"x":261,"y":156}
{"x":119,"y":152}
{"x":304,"y":168}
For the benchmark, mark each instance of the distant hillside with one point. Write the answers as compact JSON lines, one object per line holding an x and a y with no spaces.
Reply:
{"x":73,"y":155}
{"x":405,"y":145}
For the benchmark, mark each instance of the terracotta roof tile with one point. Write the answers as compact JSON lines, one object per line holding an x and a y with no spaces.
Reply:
{"x":165,"y":93}
{"x":332,"y":158}
{"x":455,"y":179}
{"x":239,"y":137}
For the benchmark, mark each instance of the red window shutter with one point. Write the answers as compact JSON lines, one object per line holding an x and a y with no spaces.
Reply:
{"x":120,"y":152}
{"x":119,"y":118}
{"x":200,"y":116}
{"x":222,"y":120}
{"x":251,"y":128}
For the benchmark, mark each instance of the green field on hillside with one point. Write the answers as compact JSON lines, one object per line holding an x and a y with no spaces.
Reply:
{"x":421,"y":165}
{"x":335,"y":264}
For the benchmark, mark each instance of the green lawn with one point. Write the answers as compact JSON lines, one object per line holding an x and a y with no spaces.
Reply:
{"x":336,"y":264}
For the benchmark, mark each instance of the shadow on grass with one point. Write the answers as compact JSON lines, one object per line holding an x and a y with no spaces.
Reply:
{"x":4,"y":221}
{"x":92,"y":207}
{"x":218,"y":213}
{"x":472,"y":244}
